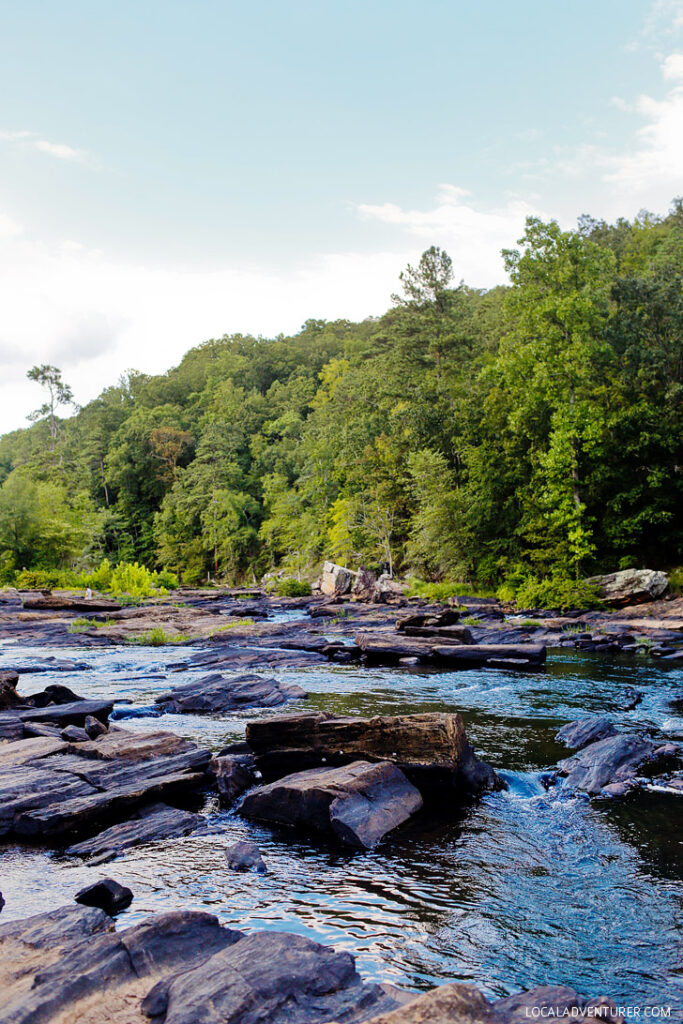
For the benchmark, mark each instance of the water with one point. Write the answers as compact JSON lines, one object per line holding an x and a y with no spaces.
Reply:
{"x":522,"y":888}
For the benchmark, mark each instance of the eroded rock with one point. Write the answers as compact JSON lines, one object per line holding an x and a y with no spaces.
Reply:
{"x":216,"y":693}
{"x":146,"y":825}
{"x":576,"y":735}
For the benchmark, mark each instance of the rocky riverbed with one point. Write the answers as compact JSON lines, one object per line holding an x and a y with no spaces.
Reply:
{"x":495,"y":887}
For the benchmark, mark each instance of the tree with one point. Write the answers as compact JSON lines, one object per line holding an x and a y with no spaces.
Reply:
{"x":59,"y":393}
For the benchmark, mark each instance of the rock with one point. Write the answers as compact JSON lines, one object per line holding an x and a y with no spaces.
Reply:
{"x":272,"y":977}
{"x":65,"y":602}
{"x":217,"y":693}
{"x":358,"y":803}
{"x":385,"y":648}
{"x":147,"y":825}
{"x":2,"y":902}
{"x":94,"y":728}
{"x":615,"y":759}
{"x":107,"y":894}
{"x":632,"y":698}
{"x":73,"y":734}
{"x":431,"y":749}
{"x":447,"y":1004}
{"x":42,"y":729}
{"x":234,"y":774}
{"x":387,"y":590}
{"x":70,"y":967}
{"x":442,"y":634}
{"x":69,"y":714}
{"x":556,"y":1000}
{"x":630,"y":586}
{"x":434,"y":620}
{"x":11,"y":726}
{"x":30,"y":749}
{"x":336,"y":579}
{"x":244,"y":856}
{"x":9,"y":698}
{"x":363,"y":586}
{"x":576,"y":735}
{"x":53,"y":694}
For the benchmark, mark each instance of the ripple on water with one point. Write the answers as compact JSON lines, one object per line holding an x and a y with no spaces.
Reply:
{"x":521,"y":889}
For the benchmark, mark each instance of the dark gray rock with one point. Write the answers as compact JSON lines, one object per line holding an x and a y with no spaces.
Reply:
{"x":576,"y":735}
{"x":525,"y":1006}
{"x":2,"y":901}
{"x":53,"y":694}
{"x":9,"y":698}
{"x":612,"y":760}
{"x":69,"y":714}
{"x":268,"y":976}
{"x":217,"y":693}
{"x":245,"y":856}
{"x":73,"y":734}
{"x":358,"y":803}
{"x":42,"y":729}
{"x":234,"y":773}
{"x":107,"y":894}
{"x":147,"y":825}
{"x":94,"y":727}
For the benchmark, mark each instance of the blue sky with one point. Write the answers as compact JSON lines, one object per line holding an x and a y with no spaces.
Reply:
{"x":173,"y":171}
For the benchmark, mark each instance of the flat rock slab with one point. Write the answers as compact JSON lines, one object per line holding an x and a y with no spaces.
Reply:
{"x":147,"y":825}
{"x":385,"y":648}
{"x":216,"y":693}
{"x":358,"y":803}
{"x":69,"y":714}
{"x":64,"y":602}
{"x":49,"y":789}
{"x":177,"y":968}
{"x":612,"y":760}
{"x":431,"y":749}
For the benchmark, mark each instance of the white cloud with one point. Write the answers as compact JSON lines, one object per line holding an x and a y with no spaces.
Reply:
{"x":472,"y":237}
{"x":59,"y":150}
{"x":653,"y":167}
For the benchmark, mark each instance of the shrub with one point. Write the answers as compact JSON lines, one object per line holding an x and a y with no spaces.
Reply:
{"x":676,"y":581}
{"x":290,"y":587}
{"x":44,"y":579}
{"x":442,"y":591}
{"x":559,"y":592}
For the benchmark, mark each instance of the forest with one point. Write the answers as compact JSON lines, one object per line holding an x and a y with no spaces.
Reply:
{"x":512,"y":438}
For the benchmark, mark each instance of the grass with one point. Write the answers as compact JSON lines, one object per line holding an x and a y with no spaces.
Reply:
{"x":529,"y":623}
{"x":235,"y":624}
{"x":442,"y":591}
{"x":158,"y":637}
{"x":80,"y":625}
{"x":470,"y":620}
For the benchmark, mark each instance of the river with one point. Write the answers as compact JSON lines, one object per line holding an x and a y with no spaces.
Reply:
{"x":522,"y":888}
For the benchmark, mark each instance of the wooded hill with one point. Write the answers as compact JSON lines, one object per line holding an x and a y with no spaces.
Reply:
{"x":488,"y":436}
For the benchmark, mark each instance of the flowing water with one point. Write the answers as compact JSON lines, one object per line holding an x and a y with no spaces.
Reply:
{"x":522,"y":888}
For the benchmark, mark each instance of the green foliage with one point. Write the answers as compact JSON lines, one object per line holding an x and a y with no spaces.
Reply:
{"x":158,"y":637}
{"x":45,"y":579}
{"x":443,"y":591}
{"x":557,"y":592}
{"x":290,"y":587}
{"x":676,"y":581}
{"x":505,"y":438}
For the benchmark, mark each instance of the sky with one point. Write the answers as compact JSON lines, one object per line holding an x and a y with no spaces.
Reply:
{"x":172,"y":172}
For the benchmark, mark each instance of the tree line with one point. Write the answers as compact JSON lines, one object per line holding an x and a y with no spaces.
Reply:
{"x":531,"y":432}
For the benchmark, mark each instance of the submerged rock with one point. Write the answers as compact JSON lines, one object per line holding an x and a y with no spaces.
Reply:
{"x":107,"y":894}
{"x":609,"y":761}
{"x":217,"y":693}
{"x":431,"y":749}
{"x":245,"y":856}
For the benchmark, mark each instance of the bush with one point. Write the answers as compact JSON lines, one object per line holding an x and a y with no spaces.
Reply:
{"x":442,"y":591}
{"x":45,"y":579}
{"x":676,"y":581}
{"x":292,"y":588}
{"x":559,"y":592}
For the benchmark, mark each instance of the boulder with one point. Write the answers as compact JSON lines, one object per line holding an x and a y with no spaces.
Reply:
{"x":2,"y":901}
{"x":431,"y":749}
{"x":234,"y":773}
{"x":53,"y":694}
{"x":68,"y":714}
{"x":576,"y":735}
{"x":217,"y":693}
{"x":245,"y":856}
{"x":94,"y":727}
{"x":447,"y":1004}
{"x":358,"y":803}
{"x":107,"y":894}
{"x":363,"y":586}
{"x":387,"y":590}
{"x":147,"y":825}
{"x":434,"y":620}
{"x":336,"y":579}
{"x":612,"y":760}
{"x":9,"y":698}
{"x":630,"y":586}
{"x":387,"y":649}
